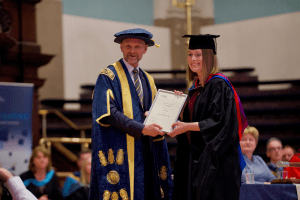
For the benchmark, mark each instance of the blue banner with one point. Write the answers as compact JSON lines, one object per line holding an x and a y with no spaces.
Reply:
{"x":15,"y":126}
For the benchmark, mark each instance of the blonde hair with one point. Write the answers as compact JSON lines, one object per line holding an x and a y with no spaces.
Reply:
{"x":34,"y":154}
{"x":209,"y":67}
{"x":83,"y":173}
{"x":252,"y":131}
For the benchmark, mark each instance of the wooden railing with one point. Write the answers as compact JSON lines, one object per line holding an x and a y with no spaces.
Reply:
{"x":57,"y":142}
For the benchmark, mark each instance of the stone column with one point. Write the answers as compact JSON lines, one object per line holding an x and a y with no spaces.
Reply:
{"x":175,"y":19}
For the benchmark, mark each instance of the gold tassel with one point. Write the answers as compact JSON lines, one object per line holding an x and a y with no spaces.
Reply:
{"x":157,"y":45}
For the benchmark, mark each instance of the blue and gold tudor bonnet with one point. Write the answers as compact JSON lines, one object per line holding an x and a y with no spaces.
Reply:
{"x":135,"y":33}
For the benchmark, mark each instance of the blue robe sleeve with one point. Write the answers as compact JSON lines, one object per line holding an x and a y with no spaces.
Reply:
{"x":122,"y":122}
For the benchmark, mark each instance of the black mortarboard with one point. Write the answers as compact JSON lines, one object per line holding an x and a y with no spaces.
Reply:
{"x":202,"y":41}
{"x":135,"y":33}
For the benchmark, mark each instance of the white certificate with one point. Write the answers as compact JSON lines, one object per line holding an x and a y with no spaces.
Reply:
{"x":165,"y":109}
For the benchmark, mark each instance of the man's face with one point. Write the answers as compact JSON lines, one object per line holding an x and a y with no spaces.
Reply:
{"x":287,"y":154}
{"x":133,"y":50}
{"x":274,"y":151}
{"x":83,"y":156}
{"x":88,"y":164}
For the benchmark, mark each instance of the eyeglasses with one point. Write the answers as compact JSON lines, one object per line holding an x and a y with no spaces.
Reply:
{"x":275,"y":148}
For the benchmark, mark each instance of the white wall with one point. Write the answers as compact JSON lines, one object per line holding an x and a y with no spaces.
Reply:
{"x":88,"y":47}
{"x":270,"y":44}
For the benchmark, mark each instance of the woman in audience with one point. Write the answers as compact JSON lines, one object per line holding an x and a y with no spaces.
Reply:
{"x":41,"y":180}
{"x":75,"y":189}
{"x":254,"y":163}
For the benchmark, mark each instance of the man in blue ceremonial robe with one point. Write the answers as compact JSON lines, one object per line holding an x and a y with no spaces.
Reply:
{"x":130,"y":160}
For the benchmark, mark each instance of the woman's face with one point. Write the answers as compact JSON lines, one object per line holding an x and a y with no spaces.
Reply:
{"x":195,"y":60}
{"x":248,"y":144}
{"x":41,"y":161}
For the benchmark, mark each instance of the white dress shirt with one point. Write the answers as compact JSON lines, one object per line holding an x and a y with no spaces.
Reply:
{"x":130,"y":68}
{"x":18,"y":190}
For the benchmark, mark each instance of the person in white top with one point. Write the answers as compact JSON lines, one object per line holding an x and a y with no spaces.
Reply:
{"x":15,"y":186}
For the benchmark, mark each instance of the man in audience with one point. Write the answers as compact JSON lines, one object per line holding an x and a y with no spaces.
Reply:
{"x":81,"y":157}
{"x":294,"y":172}
{"x":288,"y":153}
{"x":15,"y":186}
{"x":274,"y":152}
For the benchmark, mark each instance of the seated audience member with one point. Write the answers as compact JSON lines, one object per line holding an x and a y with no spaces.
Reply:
{"x":294,"y":172}
{"x":15,"y":186}
{"x":79,"y":190}
{"x":255,"y":163}
{"x":288,"y":152}
{"x":274,"y":152}
{"x":41,"y":180}
{"x":81,"y":157}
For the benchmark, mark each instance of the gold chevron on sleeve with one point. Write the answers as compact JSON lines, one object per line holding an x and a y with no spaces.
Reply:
{"x":109,"y":94}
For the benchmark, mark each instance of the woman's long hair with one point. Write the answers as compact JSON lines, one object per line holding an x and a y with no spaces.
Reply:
{"x":34,"y":154}
{"x":209,"y":67}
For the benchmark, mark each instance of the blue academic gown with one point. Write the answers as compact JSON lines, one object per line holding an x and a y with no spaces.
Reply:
{"x":122,"y":165}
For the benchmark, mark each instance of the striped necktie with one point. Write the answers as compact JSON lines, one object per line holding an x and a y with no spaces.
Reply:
{"x":138,"y":85}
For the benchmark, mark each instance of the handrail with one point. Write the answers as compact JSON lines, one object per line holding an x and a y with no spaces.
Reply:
{"x":65,"y":119}
{"x":66,"y":140}
{"x":57,"y":141}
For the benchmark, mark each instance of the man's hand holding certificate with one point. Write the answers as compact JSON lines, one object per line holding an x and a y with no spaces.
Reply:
{"x":165,"y":109}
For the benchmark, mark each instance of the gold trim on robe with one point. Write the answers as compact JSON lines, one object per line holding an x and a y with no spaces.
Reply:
{"x":109,"y":95}
{"x":127,"y":110}
{"x":106,"y":195}
{"x":111,"y":158}
{"x":114,"y":196}
{"x":159,"y":139}
{"x":102,"y":158}
{"x":120,"y":157}
{"x":123,"y":194}
{"x":113,"y":177}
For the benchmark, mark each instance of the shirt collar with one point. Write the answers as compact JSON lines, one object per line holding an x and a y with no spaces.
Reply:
{"x":272,"y":164}
{"x":129,"y":67}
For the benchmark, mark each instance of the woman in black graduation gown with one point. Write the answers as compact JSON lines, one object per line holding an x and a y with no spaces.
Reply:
{"x":208,"y":164}
{"x":41,"y":180}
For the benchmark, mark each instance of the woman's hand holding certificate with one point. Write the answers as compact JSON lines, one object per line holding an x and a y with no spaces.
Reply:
{"x":165,"y":109}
